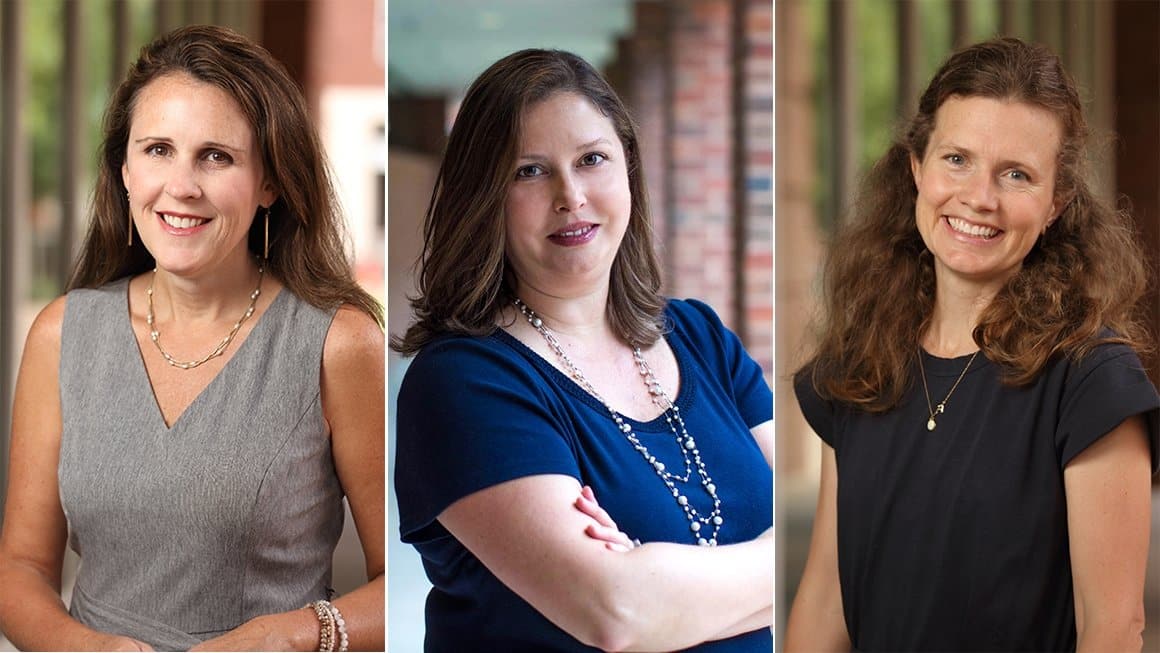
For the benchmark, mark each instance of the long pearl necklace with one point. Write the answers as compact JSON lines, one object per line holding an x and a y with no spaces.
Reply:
{"x":155,"y":335}
{"x":685,"y":443}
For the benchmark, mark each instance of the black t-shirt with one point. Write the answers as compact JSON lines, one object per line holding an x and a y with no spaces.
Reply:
{"x":956,"y":539}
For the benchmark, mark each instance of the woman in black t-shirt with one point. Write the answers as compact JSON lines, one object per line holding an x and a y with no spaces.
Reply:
{"x":989,"y":430}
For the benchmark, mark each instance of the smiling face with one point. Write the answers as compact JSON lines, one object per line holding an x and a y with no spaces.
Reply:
{"x":986,"y":187}
{"x":569,"y":202}
{"x":194,"y":175}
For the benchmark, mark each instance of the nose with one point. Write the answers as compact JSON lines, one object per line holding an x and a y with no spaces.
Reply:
{"x":569,"y":193}
{"x":978,"y":192}
{"x":183,"y":182}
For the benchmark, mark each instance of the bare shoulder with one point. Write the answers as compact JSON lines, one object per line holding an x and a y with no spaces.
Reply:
{"x":46,"y":328}
{"x":353,"y":341}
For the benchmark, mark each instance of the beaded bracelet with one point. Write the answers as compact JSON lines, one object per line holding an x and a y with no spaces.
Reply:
{"x":341,"y":624}
{"x":326,"y":625}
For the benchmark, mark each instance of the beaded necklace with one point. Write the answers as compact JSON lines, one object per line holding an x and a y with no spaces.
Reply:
{"x":155,"y":335}
{"x":685,"y":442}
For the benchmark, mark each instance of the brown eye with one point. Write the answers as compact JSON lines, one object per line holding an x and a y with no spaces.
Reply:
{"x":219,"y":157}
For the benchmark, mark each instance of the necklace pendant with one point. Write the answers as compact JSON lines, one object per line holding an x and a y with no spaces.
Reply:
{"x":930,"y":424}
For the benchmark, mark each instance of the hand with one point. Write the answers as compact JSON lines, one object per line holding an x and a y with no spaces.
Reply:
{"x":110,"y":642}
{"x":605,"y":528}
{"x":257,"y":634}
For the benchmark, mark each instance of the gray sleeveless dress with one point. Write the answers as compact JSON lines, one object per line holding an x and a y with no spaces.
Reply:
{"x":187,"y":532}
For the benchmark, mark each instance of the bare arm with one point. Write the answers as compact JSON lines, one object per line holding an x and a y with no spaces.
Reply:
{"x":816,"y":620}
{"x":1108,"y":514}
{"x":35,"y":532}
{"x":353,"y":391}
{"x":764,"y":434}
{"x":529,"y":534}
{"x":763,"y":618}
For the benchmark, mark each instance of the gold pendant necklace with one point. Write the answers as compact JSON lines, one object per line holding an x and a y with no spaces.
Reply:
{"x":941,"y":407}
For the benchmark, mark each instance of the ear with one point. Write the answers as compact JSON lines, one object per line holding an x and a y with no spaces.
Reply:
{"x":269,"y":194}
{"x":1058,"y":205}
{"x":125,"y":173}
{"x":916,"y":169}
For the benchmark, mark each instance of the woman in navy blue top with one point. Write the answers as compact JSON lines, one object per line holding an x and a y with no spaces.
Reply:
{"x":549,"y":373}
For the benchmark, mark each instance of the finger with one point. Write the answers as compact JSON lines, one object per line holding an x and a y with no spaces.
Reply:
{"x":607,"y":534}
{"x":593,"y":510}
{"x":619,"y":548}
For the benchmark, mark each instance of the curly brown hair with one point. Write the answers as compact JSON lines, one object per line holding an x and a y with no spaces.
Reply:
{"x":1078,"y":286}
{"x":306,"y":227}
{"x":464,"y":279}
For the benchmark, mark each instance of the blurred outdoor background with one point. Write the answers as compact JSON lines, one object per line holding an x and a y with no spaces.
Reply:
{"x":698,"y":77}
{"x":59,"y":62}
{"x":848,"y":74}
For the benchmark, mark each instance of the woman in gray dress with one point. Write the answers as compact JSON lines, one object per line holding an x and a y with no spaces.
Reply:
{"x":189,"y":417}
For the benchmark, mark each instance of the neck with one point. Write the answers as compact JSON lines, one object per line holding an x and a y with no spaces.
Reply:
{"x":957,"y":308}
{"x":211,"y":298}
{"x":582,"y":315}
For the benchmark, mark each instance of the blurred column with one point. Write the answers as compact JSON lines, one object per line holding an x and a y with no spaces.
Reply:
{"x":1046,"y":25}
{"x":798,"y":233}
{"x":13,"y":202}
{"x":960,"y":24}
{"x":909,"y":57}
{"x":122,"y":23}
{"x":798,"y":253}
{"x":846,"y":105}
{"x":647,"y":91}
{"x":753,"y":166}
{"x":1137,"y":121}
{"x":72,"y":138}
{"x":702,"y":161}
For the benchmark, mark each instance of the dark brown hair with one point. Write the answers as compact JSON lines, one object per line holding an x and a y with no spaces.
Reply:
{"x":463,"y":278}
{"x":1084,"y":275}
{"x":306,"y":227}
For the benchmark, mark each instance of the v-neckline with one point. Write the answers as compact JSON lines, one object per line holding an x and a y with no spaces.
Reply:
{"x":144,"y":369}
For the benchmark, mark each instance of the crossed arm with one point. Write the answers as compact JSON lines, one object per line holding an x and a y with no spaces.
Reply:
{"x":529,"y":533}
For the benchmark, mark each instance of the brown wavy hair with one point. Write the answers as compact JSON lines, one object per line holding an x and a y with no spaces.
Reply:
{"x":464,"y":280}
{"x":307,"y":233}
{"x":1083,"y":277}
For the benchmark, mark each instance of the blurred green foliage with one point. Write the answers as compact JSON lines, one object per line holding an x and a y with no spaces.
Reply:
{"x":44,"y":52}
{"x":877,"y":76}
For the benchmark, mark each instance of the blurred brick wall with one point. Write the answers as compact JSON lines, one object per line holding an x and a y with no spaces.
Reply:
{"x":698,"y":77}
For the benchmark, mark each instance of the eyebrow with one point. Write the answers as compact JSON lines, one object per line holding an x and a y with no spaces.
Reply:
{"x":209,"y":144}
{"x":1015,"y":163}
{"x":534,"y":156}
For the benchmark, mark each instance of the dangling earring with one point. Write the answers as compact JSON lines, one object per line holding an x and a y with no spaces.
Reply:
{"x":130,"y":220}
{"x":266,"y":238}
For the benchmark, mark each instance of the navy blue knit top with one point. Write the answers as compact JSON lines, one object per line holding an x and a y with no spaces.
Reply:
{"x":476,"y":412}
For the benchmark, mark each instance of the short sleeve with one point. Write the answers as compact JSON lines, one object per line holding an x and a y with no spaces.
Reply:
{"x":472,"y":413}
{"x":1107,"y":387}
{"x":819,"y":412}
{"x":751,"y":393}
